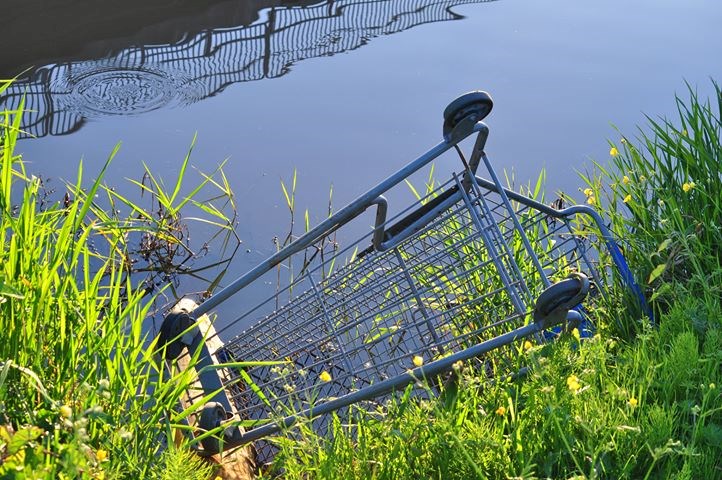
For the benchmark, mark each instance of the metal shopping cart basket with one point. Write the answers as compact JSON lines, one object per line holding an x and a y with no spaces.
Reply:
{"x":462,"y":274}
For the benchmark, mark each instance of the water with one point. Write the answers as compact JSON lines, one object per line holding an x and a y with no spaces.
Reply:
{"x":345,"y":91}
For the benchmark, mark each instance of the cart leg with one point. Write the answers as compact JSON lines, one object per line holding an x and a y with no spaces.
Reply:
{"x":239,"y":463}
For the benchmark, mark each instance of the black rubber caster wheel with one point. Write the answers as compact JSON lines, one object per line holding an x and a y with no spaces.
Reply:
{"x":212,"y":416}
{"x":561,"y":297}
{"x":475,"y":103}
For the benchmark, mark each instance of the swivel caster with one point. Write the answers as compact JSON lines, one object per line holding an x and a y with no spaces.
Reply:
{"x":475,"y":104}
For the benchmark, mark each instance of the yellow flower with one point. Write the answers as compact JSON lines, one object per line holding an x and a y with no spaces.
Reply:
{"x":633,"y":402}
{"x":591,"y":200}
{"x":527,"y":345}
{"x":418,"y":360}
{"x":501,"y":411}
{"x":588,"y":192}
{"x":684,"y":132}
{"x":573,"y":383}
{"x":575,"y":334}
{"x":457,"y":365}
{"x":66,"y":411}
{"x":613,"y":151}
{"x":625,"y":180}
{"x":627,"y":199}
{"x":687,"y":186}
{"x":325,"y":376}
{"x":101,"y":455}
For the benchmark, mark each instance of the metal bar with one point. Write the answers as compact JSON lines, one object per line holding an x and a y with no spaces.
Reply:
{"x":610,"y":242}
{"x":416,"y":295}
{"x":493,"y":225}
{"x":332,"y":223}
{"x":331,"y":326}
{"x":208,"y":375}
{"x":386,"y":386}
{"x":476,"y":154}
{"x":507,"y":204}
{"x":418,"y":224}
{"x":491,"y":248}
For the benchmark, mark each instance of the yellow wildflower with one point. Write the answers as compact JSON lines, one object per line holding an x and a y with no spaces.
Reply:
{"x":633,"y":402}
{"x":573,"y":383}
{"x":625,"y":180}
{"x":527,"y":345}
{"x":613,"y":151}
{"x":325,"y":376}
{"x":627,"y":199}
{"x":684,"y":132}
{"x":418,"y":360}
{"x":712,"y":386}
{"x":687,"y":186}
{"x":101,"y":455}
{"x":591,"y":200}
{"x":588,"y":192}
{"x":501,"y":411}
{"x":575,"y":334}
{"x":457,"y":365}
{"x":66,"y":411}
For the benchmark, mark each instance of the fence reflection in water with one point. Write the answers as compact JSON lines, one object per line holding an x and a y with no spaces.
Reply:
{"x":60,"y":97}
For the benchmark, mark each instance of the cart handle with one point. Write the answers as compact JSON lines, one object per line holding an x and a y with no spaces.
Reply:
{"x":349,"y":212}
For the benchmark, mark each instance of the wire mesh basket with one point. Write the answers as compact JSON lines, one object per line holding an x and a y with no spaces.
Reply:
{"x":463,"y":273}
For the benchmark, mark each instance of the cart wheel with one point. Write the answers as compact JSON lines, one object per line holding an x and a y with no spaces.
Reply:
{"x":212,"y":415}
{"x":561,"y":297}
{"x":175,"y":323}
{"x":476,"y":103}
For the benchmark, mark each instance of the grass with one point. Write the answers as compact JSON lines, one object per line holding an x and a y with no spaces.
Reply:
{"x":81,"y":394}
{"x":634,"y":401}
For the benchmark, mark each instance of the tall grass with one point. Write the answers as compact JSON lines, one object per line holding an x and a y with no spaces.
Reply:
{"x":665,"y":196}
{"x":631,"y":402}
{"x":81,"y":395}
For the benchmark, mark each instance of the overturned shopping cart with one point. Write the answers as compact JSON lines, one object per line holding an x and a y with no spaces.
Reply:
{"x":462,"y":274}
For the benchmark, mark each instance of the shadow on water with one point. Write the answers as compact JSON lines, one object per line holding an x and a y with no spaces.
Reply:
{"x":183,"y":60}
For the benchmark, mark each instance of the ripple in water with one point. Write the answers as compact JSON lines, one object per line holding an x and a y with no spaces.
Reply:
{"x":108,"y":90}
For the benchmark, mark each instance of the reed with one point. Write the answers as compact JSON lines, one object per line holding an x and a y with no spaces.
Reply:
{"x":81,"y":394}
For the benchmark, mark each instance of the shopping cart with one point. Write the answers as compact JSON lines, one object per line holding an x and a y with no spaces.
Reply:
{"x":461,"y":275}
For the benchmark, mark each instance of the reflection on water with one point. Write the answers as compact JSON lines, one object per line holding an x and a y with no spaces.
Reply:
{"x":143,"y":78}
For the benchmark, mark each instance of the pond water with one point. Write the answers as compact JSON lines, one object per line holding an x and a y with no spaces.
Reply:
{"x":345,"y":92}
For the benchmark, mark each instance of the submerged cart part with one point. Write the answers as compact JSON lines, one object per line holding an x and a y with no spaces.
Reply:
{"x":181,"y":334}
{"x":460,"y":275}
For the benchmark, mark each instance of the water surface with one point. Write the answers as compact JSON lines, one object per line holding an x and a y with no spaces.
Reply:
{"x":344,"y":91}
